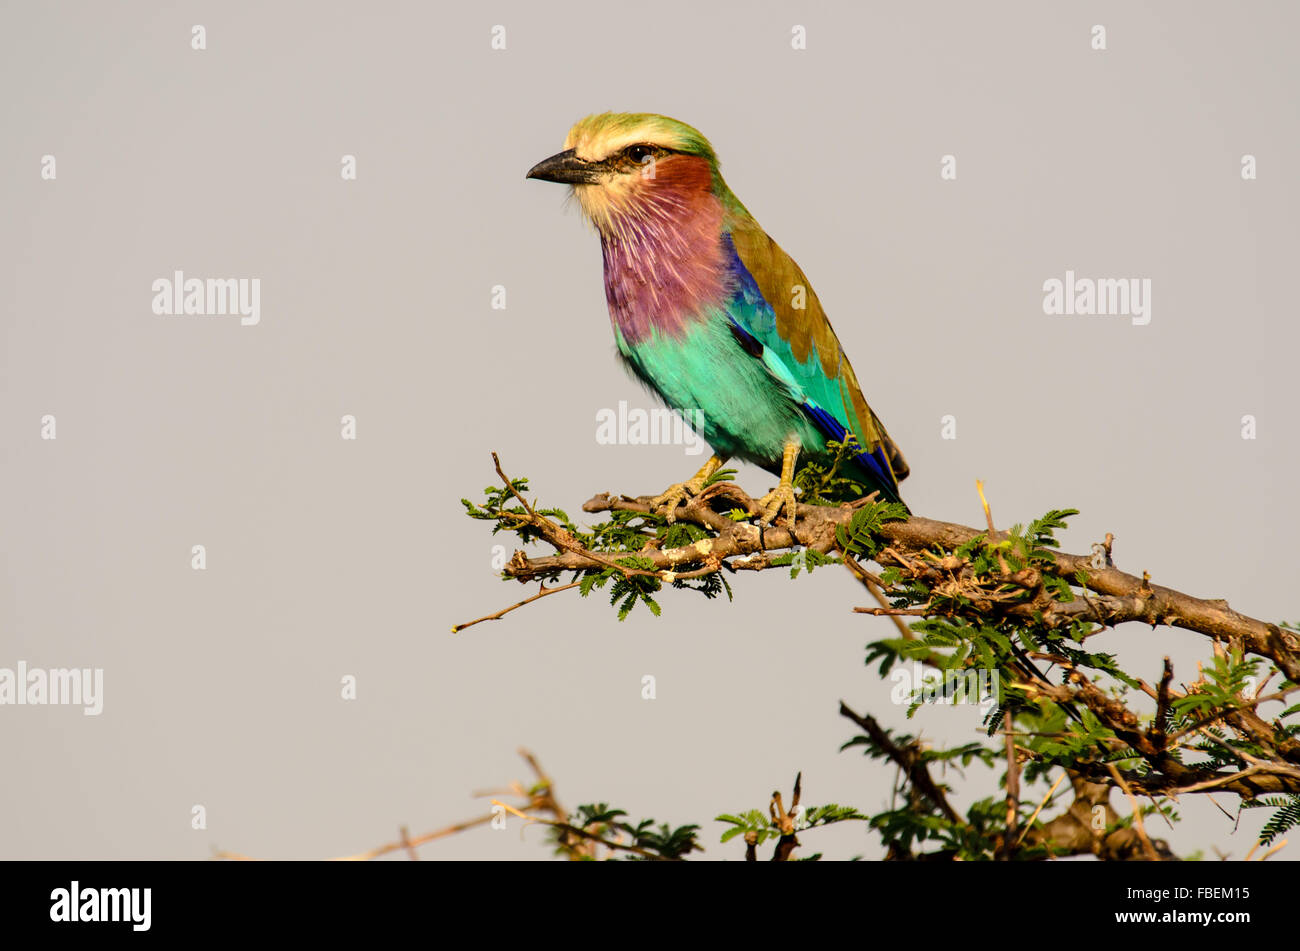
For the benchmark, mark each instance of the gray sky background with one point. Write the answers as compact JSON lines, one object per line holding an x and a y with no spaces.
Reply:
{"x":328,"y":558}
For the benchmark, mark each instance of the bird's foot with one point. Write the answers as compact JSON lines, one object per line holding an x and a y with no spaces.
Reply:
{"x":779,"y":500}
{"x":666,"y":503}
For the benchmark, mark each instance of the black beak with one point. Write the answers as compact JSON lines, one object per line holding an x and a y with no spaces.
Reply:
{"x":567,"y":169}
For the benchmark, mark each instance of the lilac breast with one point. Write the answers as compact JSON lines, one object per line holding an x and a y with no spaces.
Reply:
{"x":663,"y":272}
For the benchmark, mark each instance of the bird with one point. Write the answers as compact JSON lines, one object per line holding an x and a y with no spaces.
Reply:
{"x":712,"y":315}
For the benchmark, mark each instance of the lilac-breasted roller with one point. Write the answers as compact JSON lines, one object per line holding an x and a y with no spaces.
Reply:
{"x":710,"y":312}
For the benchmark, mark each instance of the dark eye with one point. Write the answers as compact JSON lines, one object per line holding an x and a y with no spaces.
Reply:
{"x":638,"y":153}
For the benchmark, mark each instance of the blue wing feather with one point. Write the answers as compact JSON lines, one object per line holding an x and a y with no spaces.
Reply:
{"x":754,"y":324}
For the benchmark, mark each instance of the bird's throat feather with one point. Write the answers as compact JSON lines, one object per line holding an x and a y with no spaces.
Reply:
{"x":662,"y":244}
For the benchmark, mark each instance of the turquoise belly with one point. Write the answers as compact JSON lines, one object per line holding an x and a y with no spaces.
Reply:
{"x":744,"y":412}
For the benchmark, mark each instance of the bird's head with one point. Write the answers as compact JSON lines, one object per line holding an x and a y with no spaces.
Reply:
{"x":628,"y":165}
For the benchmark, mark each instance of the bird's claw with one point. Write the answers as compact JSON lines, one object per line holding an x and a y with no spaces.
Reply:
{"x":666,"y":504}
{"x":781,"y":499}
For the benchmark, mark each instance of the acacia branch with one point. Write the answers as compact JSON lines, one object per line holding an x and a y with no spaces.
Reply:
{"x":1116,"y":596}
{"x":937,"y":562}
{"x":908,"y":760}
{"x":575,"y":841}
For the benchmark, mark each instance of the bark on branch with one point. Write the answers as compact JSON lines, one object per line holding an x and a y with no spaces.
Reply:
{"x":1116,"y":597}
